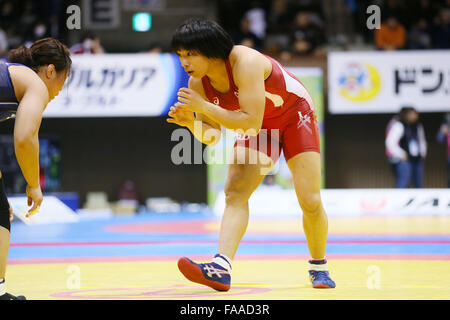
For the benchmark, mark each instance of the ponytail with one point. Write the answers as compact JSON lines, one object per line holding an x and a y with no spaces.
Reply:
{"x":42,"y":53}
{"x":21,"y":55}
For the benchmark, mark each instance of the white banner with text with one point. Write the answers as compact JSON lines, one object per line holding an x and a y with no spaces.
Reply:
{"x":383,"y":82}
{"x":274,"y":201}
{"x":119,"y":85}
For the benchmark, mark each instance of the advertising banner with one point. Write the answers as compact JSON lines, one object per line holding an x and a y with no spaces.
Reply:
{"x":383,"y":82}
{"x":119,"y":85}
{"x":273,"y":200}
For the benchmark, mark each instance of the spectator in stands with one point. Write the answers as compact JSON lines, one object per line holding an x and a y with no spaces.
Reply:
{"x":14,"y":39}
{"x":425,"y":9}
{"x":443,"y":136}
{"x":441,"y":30}
{"x":154,"y":47}
{"x":8,"y":16}
{"x":90,"y":44}
{"x":257,"y":20}
{"x":395,"y":8}
{"x":245,"y":36}
{"x":3,"y":43}
{"x":40,"y":30}
{"x":419,"y":36}
{"x":407,"y":148}
{"x":279,"y":16}
{"x":28,"y":22}
{"x":306,"y":37}
{"x":391,"y":35}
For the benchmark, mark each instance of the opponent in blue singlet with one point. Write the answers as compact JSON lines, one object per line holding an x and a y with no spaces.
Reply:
{"x":8,"y":100}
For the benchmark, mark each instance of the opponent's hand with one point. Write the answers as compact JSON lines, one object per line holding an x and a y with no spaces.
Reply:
{"x":34,"y":198}
{"x":190,"y":99}
{"x":180,"y":116}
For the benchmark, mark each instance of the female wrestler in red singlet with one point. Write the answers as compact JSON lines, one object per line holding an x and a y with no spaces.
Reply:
{"x":243,"y":90}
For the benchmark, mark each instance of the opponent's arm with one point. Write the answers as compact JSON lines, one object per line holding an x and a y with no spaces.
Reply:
{"x":26,"y":140}
{"x":249,"y":77}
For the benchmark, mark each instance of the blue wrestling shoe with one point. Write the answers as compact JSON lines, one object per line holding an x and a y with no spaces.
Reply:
{"x":319,"y":275}
{"x":209,"y":274}
{"x":321,"y":279}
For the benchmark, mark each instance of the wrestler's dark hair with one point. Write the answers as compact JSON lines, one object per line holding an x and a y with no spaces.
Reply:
{"x":41,"y":53}
{"x":203,"y":36}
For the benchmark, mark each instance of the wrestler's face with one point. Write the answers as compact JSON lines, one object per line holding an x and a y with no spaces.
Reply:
{"x":194,"y":63}
{"x":53,"y":80}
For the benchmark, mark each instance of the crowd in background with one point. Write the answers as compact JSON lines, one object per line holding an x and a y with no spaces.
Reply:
{"x":279,"y":27}
{"x":23,"y":22}
{"x":420,"y":24}
{"x":300,"y":27}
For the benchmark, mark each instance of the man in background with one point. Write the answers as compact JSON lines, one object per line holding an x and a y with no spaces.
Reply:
{"x":406,"y":148}
{"x":443,"y":136}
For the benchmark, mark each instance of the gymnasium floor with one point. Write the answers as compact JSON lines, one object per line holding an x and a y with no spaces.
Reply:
{"x":373,"y":257}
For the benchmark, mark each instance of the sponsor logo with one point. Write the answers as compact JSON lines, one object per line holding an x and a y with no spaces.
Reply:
{"x":359,"y":82}
{"x":303,"y":121}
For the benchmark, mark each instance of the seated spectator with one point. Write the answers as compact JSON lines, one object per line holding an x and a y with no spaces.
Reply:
{"x":14,"y":39}
{"x":279,"y":17}
{"x":154,"y":47}
{"x":392,"y":7}
{"x":391,"y":35}
{"x":8,"y":15}
{"x":28,"y":21}
{"x":39,"y":31}
{"x":419,"y":36}
{"x":425,"y":9}
{"x":3,"y":43}
{"x":257,"y":19}
{"x":90,"y":44}
{"x":245,"y":36}
{"x":305,"y":37}
{"x":441,"y":30}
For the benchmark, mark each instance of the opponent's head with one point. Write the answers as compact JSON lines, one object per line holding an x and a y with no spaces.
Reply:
{"x":49,"y":58}
{"x":198,"y":42}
